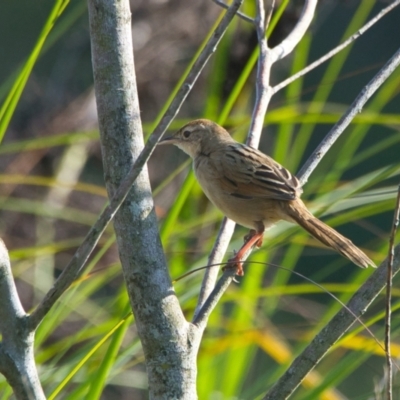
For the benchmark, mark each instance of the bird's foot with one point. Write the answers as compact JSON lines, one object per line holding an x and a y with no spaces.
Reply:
{"x":253,"y":238}
{"x":235,"y":262}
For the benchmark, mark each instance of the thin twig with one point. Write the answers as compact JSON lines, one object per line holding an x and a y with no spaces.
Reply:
{"x":264,"y":64}
{"x":337,"y":49}
{"x":75,"y":266}
{"x":11,"y":308}
{"x":268,"y":16}
{"x":354,"y":109}
{"x":223,"y":283}
{"x":217,"y":254}
{"x":239,"y":14}
{"x":292,"y":40}
{"x":389,"y":279}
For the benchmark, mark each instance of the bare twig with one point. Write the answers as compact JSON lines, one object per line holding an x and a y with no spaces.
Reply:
{"x":239,"y":14}
{"x":337,"y":49}
{"x":263,"y":94}
{"x":204,"y":307}
{"x":75,"y":266}
{"x":11,"y":307}
{"x":288,"y":44}
{"x":354,"y":109}
{"x":223,"y":283}
{"x":389,"y":297}
{"x":217,"y":254}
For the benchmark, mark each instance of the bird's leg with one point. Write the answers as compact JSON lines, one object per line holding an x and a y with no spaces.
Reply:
{"x":251,"y":233}
{"x":253,"y":238}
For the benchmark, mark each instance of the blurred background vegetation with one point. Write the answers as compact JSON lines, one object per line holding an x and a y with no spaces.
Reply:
{"x":51,"y":190}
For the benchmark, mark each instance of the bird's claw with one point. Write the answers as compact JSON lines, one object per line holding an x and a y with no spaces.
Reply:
{"x":235,"y":263}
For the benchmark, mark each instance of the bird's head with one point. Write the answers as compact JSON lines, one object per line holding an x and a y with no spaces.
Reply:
{"x":199,"y":136}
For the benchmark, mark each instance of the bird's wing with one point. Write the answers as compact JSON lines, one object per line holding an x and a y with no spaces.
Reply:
{"x":248,"y":173}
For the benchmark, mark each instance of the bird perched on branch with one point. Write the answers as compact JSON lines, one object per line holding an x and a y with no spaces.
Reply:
{"x":252,"y":189}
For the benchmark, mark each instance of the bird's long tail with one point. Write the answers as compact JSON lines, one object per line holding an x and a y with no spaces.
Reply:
{"x":325,"y":234}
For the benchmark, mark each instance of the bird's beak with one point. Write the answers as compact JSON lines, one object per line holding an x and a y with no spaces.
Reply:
{"x":167,"y":140}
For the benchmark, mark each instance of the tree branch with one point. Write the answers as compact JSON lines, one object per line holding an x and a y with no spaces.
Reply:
{"x":217,"y":254}
{"x":239,"y":14}
{"x":200,"y":320}
{"x":17,"y":361}
{"x":288,"y":44}
{"x":388,"y":309}
{"x":354,"y":109}
{"x":264,"y":64}
{"x":337,"y":49}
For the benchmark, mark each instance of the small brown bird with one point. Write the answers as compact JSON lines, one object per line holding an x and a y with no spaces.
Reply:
{"x":252,"y":189}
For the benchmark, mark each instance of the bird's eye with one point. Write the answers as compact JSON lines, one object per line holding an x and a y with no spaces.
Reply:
{"x":186,"y":134}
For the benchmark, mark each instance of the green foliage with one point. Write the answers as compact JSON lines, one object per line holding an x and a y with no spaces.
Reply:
{"x":89,"y":341}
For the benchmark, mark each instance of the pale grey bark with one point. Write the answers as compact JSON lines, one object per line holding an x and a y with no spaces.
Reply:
{"x":17,"y":362}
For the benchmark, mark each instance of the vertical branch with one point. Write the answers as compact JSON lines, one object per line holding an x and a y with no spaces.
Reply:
{"x":388,"y":310}
{"x":264,"y":64}
{"x":217,"y":254}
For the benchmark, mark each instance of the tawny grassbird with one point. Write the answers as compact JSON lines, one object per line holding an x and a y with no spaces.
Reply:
{"x":252,"y":189}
